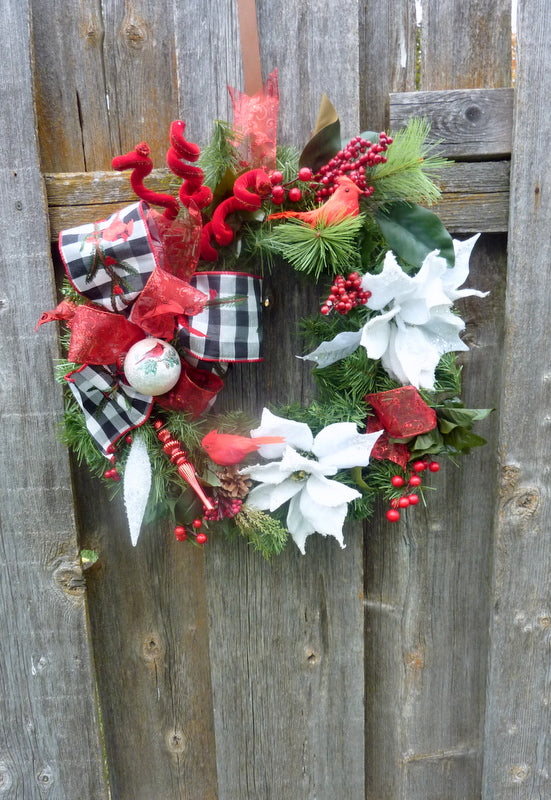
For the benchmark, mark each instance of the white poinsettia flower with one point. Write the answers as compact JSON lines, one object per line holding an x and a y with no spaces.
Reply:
{"x":317,"y":504}
{"x":416,"y":325}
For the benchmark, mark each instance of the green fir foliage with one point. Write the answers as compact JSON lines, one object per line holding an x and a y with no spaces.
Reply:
{"x":410,"y":169}
{"x":265,"y":533}
{"x":329,"y":248}
{"x":220,"y":156}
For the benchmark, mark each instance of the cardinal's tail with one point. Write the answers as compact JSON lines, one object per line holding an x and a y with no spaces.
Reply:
{"x":268,"y":440}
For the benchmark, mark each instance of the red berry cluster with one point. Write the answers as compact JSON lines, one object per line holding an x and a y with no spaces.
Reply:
{"x":112,"y":473}
{"x":181,"y":533}
{"x":224,"y":508}
{"x":280,"y":190}
{"x":408,"y":498}
{"x":345,"y":294}
{"x":353,"y":160}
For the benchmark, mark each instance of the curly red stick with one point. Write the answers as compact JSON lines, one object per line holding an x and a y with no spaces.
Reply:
{"x":141,"y":165}
{"x":248,"y":191}
{"x":181,"y":150}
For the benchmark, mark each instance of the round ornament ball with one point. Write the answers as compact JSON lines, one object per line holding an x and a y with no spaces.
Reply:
{"x":152,"y":366}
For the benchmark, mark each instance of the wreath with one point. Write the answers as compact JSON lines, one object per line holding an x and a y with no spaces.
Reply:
{"x":163,"y":296}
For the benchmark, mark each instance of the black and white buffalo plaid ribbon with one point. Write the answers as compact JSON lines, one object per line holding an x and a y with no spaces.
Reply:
{"x":110,"y":409}
{"x":109,"y":262}
{"x":229,"y":329}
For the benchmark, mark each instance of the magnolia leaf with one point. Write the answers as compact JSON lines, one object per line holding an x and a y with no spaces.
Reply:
{"x":450,"y":418}
{"x":461,"y":440}
{"x":427,"y":443}
{"x":344,"y":344}
{"x":137,"y":485}
{"x":326,"y":139}
{"x":413,"y":232}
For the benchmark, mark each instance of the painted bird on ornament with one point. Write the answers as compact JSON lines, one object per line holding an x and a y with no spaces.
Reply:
{"x":344,"y":202}
{"x":228,"y":449}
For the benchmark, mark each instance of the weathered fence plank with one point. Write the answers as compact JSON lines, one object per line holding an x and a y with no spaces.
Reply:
{"x":518,"y":708}
{"x":471,"y":123}
{"x":287,"y":638}
{"x":49,"y":732}
{"x":427,"y":585}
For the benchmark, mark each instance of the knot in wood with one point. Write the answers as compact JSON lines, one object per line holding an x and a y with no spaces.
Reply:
{"x":68,"y":577}
{"x":473,"y":113}
{"x":152,"y":648}
{"x":519,"y":772}
{"x":524,"y":503}
{"x":135,"y":35}
{"x":45,"y":777}
{"x":176,"y":742}
{"x":6,"y":780}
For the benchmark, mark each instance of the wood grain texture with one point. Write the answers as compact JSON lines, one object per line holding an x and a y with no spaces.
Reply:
{"x":518,"y":714}
{"x":105,"y":80}
{"x":473,"y":42}
{"x":287,"y":637}
{"x":49,"y":731}
{"x":472,"y":123}
{"x":428,"y":581}
{"x":387,"y":56}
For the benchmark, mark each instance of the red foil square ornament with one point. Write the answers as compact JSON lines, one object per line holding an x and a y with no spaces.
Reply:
{"x":402,"y":412}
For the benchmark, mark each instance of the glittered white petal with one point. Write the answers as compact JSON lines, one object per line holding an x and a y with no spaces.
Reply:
{"x":299,"y":527}
{"x":267,"y":497}
{"x":327,"y":493}
{"x":327,"y":353}
{"x":294,"y":462}
{"x":376,"y":332}
{"x":136,"y":485}
{"x":328,"y":523}
{"x":341,"y":446}
{"x":296,"y":434}
{"x":267,"y":473}
{"x":390,"y":285}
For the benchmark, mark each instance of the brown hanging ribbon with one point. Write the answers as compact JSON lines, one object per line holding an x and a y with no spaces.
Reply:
{"x":250,"y":48}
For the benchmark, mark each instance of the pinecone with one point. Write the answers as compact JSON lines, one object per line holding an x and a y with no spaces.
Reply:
{"x":233,"y":484}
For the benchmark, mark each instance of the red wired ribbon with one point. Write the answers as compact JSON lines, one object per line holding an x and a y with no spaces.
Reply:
{"x":402,"y":413}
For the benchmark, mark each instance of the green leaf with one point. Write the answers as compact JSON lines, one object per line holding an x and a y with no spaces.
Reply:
{"x":460,"y":417}
{"x":321,"y":147}
{"x":413,"y":232}
{"x":461,"y":440}
{"x":427,"y":443}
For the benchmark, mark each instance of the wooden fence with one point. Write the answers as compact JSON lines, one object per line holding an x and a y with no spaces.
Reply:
{"x":413,"y":664}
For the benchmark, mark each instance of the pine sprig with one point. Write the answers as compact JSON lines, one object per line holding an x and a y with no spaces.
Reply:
{"x":314,"y":250}
{"x":220,"y":155}
{"x":410,"y":169}
{"x":265,"y":533}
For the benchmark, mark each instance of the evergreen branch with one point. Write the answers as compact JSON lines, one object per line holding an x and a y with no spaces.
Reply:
{"x":220,"y":155}
{"x":265,"y":533}
{"x":409,"y":169}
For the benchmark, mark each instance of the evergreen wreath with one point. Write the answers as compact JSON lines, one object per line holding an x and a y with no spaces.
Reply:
{"x":151,"y":328}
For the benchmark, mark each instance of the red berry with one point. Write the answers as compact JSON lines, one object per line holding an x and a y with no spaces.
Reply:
{"x":276,"y":177}
{"x":392,"y":515}
{"x":419,"y":466}
{"x":111,"y":448}
{"x":180,"y":533}
{"x":278,"y":194}
{"x":295,"y":195}
{"x":415,"y":480}
{"x":325,"y":309}
{"x":397,"y":480}
{"x":118,"y":289}
{"x":434,"y":466}
{"x":413,"y":499}
{"x":403,"y":502}
{"x":115,"y":476}
{"x":108,"y":473}
{"x":201,"y":538}
{"x":197,"y":523}
{"x":305,"y":174}
{"x":128,"y":439}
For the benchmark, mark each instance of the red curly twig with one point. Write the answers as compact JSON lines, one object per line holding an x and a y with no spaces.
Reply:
{"x":141,"y":165}
{"x":248,"y":191}
{"x":192,"y":189}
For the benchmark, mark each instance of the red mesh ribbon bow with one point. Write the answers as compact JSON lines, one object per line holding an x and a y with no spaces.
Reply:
{"x":255,"y":120}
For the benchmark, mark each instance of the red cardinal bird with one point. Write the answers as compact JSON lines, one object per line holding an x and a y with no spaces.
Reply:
{"x":345,"y":202}
{"x":156,"y":352}
{"x":226,"y":449}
